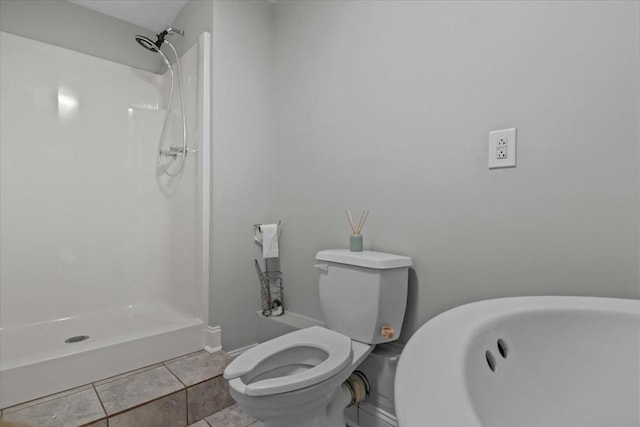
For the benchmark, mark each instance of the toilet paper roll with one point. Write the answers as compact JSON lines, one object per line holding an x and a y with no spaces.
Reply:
{"x":270,"y":240}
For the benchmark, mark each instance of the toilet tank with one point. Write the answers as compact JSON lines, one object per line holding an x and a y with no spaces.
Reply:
{"x":363,"y":292}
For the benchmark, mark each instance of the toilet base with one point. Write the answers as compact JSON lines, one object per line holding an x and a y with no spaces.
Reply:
{"x":331,"y":416}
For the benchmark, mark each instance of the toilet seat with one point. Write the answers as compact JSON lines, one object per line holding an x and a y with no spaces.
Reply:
{"x":319,"y":353}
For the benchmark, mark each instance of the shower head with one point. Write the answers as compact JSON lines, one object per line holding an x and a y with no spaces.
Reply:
{"x":147,"y":43}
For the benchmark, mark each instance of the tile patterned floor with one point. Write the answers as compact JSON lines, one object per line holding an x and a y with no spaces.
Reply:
{"x":79,"y":406}
{"x":198,"y":367}
{"x":175,"y":393}
{"x":127,"y":391}
{"x":232,"y":416}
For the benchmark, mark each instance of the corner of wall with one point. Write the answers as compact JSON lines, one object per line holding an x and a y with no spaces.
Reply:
{"x":194,"y":18}
{"x":78,"y":28}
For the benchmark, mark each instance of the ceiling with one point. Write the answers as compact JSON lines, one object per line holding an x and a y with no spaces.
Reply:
{"x":153,"y":15}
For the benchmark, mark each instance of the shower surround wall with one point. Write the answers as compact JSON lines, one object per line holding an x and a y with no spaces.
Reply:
{"x":95,"y":241}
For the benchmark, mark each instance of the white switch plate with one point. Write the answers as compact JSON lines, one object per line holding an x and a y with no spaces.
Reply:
{"x":502,"y":148}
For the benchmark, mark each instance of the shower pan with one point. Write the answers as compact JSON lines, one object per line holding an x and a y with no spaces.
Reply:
{"x":104,"y":256}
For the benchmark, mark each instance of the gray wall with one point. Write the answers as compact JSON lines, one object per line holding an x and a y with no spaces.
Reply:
{"x":74,"y":27}
{"x":243,"y":162}
{"x":194,"y":18}
{"x":387,"y":105}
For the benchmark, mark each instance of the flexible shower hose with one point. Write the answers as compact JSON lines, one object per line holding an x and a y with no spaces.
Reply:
{"x":166,"y":120}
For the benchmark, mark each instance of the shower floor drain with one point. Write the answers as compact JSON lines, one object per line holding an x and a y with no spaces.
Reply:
{"x":78,"y":338}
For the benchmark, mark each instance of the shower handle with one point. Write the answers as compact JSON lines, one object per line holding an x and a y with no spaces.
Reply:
{"x":175,"y":151}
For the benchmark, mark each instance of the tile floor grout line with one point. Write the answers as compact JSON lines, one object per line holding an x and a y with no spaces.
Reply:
{"x":73,"y":417}
{"x":186,"y":402}
{"x":193,"y":355}
{"x":49,"y":397}
{"x":185,"y":356}
{"x":89,"y":424}
{"x":182,"y":387}
{"x":139,"y":405}
{"x":95,"y":390}
{"x":173,"y":373}
{"x":204,"y":381}
{"x":117,"y":377}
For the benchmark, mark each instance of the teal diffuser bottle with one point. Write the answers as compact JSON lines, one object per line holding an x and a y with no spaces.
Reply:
{"x":355,"y":240}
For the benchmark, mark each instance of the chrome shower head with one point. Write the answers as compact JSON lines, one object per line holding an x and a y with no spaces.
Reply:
{"x":147,"y":43}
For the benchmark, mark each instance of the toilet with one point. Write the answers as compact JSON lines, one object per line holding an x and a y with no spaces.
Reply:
{"x":304,"y":378}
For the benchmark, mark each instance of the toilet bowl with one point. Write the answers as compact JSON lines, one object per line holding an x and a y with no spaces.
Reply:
{"x":298,"y":379}
{"x":292,"y":379}
{"x":290,"y":362}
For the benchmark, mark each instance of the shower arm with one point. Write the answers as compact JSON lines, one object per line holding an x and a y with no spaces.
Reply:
{"x":171,"y":30}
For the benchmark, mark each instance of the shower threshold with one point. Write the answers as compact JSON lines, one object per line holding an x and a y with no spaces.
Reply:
{"x":37,"y":359}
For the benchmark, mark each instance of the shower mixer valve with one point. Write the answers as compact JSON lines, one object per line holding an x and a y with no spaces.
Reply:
{"x":174,"y":151}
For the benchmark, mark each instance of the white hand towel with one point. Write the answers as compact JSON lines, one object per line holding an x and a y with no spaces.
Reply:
{"x":269,"y":240}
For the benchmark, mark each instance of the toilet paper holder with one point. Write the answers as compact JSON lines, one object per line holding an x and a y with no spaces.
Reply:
{"x":271,"y":291}
{"x":257,"y":229}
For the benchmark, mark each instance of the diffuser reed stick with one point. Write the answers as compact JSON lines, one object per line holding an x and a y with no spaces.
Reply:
{"x":350,"y":219}
{"x":363,"y":219}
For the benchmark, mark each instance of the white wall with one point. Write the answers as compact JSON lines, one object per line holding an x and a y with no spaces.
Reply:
{"x":195,"y":18}
{"x":243,"y":162}
{"x":387,"y":105}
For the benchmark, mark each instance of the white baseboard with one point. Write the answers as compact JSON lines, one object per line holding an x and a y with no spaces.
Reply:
{"x":372,"y":416}
{"x":213,"y":339}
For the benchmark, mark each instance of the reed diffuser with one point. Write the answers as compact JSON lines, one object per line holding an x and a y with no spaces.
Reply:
{"x":355,"y":240}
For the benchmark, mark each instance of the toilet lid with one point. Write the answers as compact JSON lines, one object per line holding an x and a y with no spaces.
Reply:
{"x":336,"y":346}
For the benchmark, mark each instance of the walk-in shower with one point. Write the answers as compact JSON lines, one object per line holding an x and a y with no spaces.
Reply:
{"x":103,"y":270}
{"x":174,"y":152}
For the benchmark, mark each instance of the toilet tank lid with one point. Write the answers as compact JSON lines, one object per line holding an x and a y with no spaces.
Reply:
{"x":367,"y":259}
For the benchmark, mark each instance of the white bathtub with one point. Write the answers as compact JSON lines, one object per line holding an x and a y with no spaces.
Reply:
{"x":568,"y":361}
{"x":36,"y":361}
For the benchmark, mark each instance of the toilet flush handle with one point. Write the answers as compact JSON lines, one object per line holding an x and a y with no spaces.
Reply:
{"x":387,"y":332}
{"x":322,"y":267}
